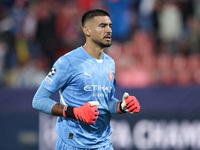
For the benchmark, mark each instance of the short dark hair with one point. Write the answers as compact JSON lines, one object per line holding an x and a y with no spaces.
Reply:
{"x":93,"y":13}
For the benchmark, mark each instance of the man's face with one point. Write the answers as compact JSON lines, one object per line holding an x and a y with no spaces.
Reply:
{"x":101,"y":31}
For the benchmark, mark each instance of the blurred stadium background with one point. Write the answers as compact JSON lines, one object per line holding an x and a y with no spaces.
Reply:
{"x":156,"y":46}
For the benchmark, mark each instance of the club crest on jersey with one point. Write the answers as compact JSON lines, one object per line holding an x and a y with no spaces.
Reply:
{"x":52,"y":72}
{"x":110,"y":76}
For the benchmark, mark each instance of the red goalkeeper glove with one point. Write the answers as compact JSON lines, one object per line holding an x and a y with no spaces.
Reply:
{"x":129,"y":104}
{"x":87,"y":113}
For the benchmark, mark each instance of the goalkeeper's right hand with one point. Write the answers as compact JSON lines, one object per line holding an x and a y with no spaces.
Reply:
{"x":87,"y":113}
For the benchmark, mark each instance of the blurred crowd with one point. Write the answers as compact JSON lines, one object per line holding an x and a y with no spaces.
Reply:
{"x":155,"y":42}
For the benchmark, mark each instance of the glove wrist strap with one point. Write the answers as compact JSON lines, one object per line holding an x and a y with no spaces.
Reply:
{"x":68,"y":112}
{"x":120,"y":108}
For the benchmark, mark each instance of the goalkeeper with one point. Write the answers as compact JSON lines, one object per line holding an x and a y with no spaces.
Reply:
{"x":85,"y":80}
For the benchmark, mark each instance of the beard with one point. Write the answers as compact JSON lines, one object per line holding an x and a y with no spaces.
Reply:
{"x":101,"y":44}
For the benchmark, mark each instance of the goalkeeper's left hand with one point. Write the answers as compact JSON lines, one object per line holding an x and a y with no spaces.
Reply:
{"x":129,"y":104}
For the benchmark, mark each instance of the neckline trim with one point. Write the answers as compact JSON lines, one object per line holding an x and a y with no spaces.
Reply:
{"x":97,"y":60}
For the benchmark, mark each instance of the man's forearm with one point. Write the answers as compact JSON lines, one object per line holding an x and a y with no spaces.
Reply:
{"x":57,"y":109}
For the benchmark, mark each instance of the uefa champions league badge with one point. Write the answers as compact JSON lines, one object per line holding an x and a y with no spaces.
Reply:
{"x":110,"y":76}
{"x":52,"y":72}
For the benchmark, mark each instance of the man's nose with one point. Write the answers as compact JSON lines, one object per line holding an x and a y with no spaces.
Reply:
{"x":108,"y":30}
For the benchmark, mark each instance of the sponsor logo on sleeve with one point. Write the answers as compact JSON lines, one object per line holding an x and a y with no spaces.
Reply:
{"x":48,"y":80}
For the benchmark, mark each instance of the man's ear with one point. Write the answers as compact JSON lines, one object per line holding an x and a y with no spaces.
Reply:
{"x":87,"y":31}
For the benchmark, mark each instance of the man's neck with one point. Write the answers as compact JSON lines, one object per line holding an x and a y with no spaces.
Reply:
{"x":94,"y":51}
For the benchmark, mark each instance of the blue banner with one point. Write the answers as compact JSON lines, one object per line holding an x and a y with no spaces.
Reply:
{"x":169,"y":120}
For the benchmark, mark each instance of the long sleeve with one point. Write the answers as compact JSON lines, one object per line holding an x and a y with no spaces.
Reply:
{"x":113,"y":105}
{"x":42,"y":100}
